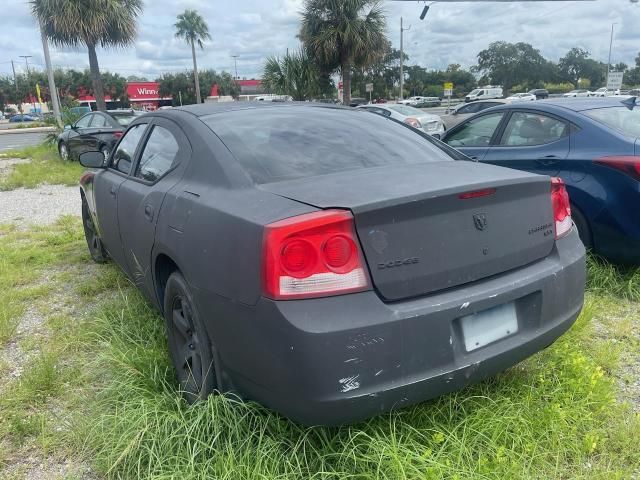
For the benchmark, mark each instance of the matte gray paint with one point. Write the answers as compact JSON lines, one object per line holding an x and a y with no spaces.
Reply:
{"x":336,"y":359}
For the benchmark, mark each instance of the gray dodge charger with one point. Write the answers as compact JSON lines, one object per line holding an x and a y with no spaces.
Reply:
{"x":329,"y":263}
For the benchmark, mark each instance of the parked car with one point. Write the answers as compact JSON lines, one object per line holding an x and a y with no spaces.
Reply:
{"x":428,"y":102}
{"x":465,"y":110}
{"x":23,"y":118}
{"x":412,"y":101}
{"x":485,"y":93}
{"x":521,"y":97}
{"x":592,"y":144}
{"x":577,"y":93}
{"x":94,"y":131}
{"x":427,"y":122}
{"x":329,"y":263}
{"x":356,"y":101}
{"x":540,"y":93}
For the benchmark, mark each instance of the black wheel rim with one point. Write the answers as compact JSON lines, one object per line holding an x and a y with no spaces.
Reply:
{"x":93,"y":240}
{"x":189,"y":364}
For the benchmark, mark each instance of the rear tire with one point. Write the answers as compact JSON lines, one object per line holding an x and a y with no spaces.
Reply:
{"x":582,"y":225}
{"x":105,"y":152}
{"x":189,"y":344}
{"x":94,"y":242}
{"x":63,"y":151}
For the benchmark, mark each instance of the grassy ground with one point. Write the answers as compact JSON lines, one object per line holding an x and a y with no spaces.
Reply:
{"x":46,"y":167}
{"x":97,"y":393}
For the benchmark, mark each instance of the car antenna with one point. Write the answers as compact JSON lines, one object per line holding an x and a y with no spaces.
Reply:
{"x":630,"y":103}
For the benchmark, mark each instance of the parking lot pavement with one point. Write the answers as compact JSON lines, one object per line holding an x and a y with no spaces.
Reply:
{"x":10,"y":141}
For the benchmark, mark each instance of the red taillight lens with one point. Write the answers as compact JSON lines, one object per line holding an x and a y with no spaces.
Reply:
{"x":561,"y":207}
{"x":414,"y":122}
{"x":627,"y":164}
{"x":118,"y":135}
{"x":313,"y":255}
{"x":477,"y":194}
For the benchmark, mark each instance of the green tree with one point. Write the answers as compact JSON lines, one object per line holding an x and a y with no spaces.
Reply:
{"x":575,"y":65}
{"x":92,"y":23}
{"x":344,"y":34}
{"x":294,"y":74}
{"x":508,"y":64}
{"x":192,"y":28}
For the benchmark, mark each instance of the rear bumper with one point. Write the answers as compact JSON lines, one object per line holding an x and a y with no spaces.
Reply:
{"x":341,"y":359}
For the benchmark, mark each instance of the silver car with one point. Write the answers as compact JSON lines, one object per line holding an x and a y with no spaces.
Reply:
{"x":453,"y":117}
{"x":427,"y":122}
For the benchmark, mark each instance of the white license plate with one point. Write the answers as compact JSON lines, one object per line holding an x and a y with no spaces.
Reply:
{"x":486,"y":327}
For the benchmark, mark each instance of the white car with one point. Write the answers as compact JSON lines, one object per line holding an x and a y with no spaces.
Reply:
{"x":577,"y":93}
{"x":411,"y":101}
{"x":427,"y":122}
{"x":522,"y":97}
{"x":605,"y":92}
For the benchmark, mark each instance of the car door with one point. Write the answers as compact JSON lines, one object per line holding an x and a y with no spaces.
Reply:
{"x":532,"y":141}
{"x":107,"y":187}
{"x":78,"y":129}
{"x":475,"y":136}
{"x":160,"y":166}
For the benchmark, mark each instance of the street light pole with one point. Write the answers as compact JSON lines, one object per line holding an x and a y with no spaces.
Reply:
{"x":402,"y":30}
{"x":26,"y":60}
{"x":235,"y":61}
{"x":610,"y":48}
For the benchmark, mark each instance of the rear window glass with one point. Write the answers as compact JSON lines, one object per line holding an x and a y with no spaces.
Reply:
{"x":619,"y":118}
{"x":125,"y":120}
{"x":405,"y":110}
{"x":283,"y":143}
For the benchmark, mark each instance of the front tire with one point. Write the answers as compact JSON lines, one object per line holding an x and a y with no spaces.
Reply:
{"x":94,"y":242}
{"x":189,"y":344}
{"x":63,"y":151}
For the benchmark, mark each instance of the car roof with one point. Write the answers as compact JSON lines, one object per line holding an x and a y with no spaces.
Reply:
{"x":559,"y":104}
{"x":214,"y":108}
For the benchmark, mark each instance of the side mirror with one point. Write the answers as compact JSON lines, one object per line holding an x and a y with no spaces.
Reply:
{"x":92,"y":160}
{"x":68,"y":127}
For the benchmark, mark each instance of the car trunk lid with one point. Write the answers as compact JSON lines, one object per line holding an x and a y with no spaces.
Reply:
{"x":420,"y":233}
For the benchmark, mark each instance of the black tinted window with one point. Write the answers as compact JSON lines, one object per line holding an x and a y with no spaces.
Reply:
{"x":158,"y":156}
{"x":123,"y":158}
{"x":291,"y":142}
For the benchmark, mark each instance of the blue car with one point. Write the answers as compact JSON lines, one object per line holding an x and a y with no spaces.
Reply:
{"x":22,"y":118}
{"x":592,"y":144}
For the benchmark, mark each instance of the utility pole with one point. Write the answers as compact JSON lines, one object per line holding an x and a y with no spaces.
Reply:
{"x":26,"y":60}
{"x":15,"y":81}
{"x":235,"y":61}
{"x":53,"y":91}
{"x":610,"y":48}
{"x":402,"y":30}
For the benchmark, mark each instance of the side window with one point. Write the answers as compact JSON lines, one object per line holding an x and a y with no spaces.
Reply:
{"x":123,"y":157}
{"x":528,"y":129}
{"x":476,"y":132}
{"x":158,"y":156}
{"x":485,"y":105}
{"x":98,"y":121}
{"x":84,"y":121}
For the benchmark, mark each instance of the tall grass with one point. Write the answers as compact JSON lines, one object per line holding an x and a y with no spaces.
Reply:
{"x":605,"y":278}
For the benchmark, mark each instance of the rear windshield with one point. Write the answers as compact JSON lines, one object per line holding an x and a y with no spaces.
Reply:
{"x":282,"y":143}
{"x":619,"y":118}
{"x":405,"y":110}
{"x":125,"y":120}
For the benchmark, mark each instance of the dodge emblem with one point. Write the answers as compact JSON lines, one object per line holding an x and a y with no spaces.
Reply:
{"x":480,"y":221}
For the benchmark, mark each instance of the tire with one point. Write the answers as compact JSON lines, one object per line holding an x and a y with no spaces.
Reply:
{"x":582,"y":225}
{"x":189,"y":344}
{"x":96,"y":248}
{"x":63,"y":151}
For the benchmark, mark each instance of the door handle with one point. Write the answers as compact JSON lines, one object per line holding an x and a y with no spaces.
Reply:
{"x":148,"y":212}
{"x":548,"y":160}
{"x":113,"y":190}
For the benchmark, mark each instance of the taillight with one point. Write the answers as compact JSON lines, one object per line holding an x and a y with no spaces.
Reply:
{"x":414,"y":122}
{"x":118,"y":135}
{"x":313,"y":255}
{"x":627,"y":164}
{"x":561,"y":207}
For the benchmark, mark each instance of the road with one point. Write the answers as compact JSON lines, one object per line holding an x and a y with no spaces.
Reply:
{"x":10,"y":141}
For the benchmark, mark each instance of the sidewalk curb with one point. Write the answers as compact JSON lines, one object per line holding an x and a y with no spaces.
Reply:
{"x":11,"y":131}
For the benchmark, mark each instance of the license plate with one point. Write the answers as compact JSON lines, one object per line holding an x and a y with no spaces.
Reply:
{"x":486,"y":327}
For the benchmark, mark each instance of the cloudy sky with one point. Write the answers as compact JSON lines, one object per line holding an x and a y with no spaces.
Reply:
{"x":255,"y":29}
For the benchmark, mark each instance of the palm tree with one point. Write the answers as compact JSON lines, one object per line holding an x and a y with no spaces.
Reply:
{"x":294,"y":75}
{"x":344,"y":34}
{"x":192,"y":28}
{"x":92,"y":23}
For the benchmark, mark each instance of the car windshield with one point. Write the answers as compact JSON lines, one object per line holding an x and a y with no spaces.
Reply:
{"x":405,"y":110}
{"x":619,"y":118}
{"x":283,"y":143}
{"x":474,"y":92}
